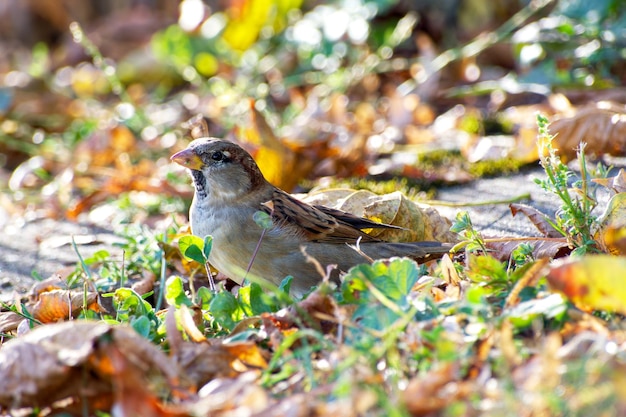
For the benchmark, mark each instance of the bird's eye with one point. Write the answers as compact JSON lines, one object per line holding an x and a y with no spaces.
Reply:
{"x":218,"y":156}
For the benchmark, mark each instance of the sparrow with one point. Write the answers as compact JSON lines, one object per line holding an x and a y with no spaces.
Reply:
{"x":230,"y":189}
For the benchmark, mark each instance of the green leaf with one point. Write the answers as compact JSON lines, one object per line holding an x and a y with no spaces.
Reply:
{"x":254,"y":300}
{"x":244,"y":299}
{"x":208,"y":245}
{"x":262,"y":219}
{"x":175,"y":292}
{"x":393,"y":279}
{"x":226,"y":310}
{"x":127,"y":300}
{"x":380,"y":290}
{"x":192,"y":248}
{"x":260,"y":302}
{"x":461,"y":222}
{"x":143,"y":326}
{"x":285,"y":284}
{"x":354,"y":284}
{"x":375,"y":316}
{"x":388,"y":286}
{"x":486,"y":269}
{"x":98,"y":257}
{"x":405,"y":273}
{"x":203,"y":297}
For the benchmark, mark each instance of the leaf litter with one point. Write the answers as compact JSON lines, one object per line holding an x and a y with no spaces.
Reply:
{"x":456,"y":335}
{"x":494,"y":332}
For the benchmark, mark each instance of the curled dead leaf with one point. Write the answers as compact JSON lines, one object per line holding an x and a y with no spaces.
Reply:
{"x":198,"y":127}
{"x":9,"y":321}
{"x":537,"y":218}
{"x":203,"y":362}
{"x":74,"y":361}
{"x":502,"y":248}
{"x":602,"y":126}
{"x":54,"y":282}
{"x":611,"y":233}
{"x":247,"y":353}
{"x":617,"y":183}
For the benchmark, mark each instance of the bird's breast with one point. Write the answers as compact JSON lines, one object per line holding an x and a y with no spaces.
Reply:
{"x":234,"y":232}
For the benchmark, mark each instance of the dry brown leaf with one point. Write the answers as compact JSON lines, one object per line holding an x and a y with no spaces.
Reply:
{"x":174,"y":336}
{"x":125,"y":177}
{"x":198,"y":127}
{"x":189,"y":325}
{"x":202,"y":362}
{"x":319,"y":311}
{"x":145,"y":284}
{"x":602,"y":126}
{"x":223,"y":396}
{"x":524,"y":118}
{"x":448,"y":271}
{"x":428,"y":394}
{"x":9,"y":321}
{"x":617,"y":183}
{"x":54,"y":282}
{"x":529,"y":279}
{"x":537,"y":218}
{"x":502,"y":248}
{"x":611,"y":232}
{"x":72,"y":361}
{"x":541,"y":372}
{"x":438,"y":294}
{"x":104,"y":147}
{"x":132,"y":397}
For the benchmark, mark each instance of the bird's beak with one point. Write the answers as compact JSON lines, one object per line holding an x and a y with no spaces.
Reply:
{"x":188,"y":158}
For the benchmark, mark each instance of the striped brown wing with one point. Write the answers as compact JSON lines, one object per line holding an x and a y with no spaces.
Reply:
{"x":317,"y":223}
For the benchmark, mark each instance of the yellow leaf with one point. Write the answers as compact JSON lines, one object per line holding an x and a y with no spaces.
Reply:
{"x":595,"y":282}
{"x":275,"y":159}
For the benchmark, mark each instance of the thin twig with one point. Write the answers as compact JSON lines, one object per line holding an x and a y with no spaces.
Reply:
{"x":212,"y":285}
{"x":159,"y":302}
{"x":521,"y":197}
{"x":256,"y":250}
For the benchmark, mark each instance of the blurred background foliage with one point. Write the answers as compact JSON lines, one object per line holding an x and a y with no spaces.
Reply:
{"x":93,"y":93}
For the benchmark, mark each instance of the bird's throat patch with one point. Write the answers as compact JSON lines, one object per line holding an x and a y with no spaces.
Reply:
{"x":199,"y":181}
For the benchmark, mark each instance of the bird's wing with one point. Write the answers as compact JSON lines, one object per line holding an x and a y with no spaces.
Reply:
{"x":318,"y":223}
{"x":355,"y":221}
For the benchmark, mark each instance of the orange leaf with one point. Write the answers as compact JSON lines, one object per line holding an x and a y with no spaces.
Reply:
{"x":57,"y":305}
{"x":248,"y":353}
